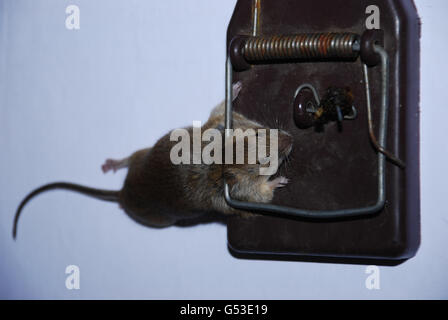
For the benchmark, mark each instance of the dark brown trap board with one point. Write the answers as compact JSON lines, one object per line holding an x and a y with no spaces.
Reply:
{"x":335,"y":169}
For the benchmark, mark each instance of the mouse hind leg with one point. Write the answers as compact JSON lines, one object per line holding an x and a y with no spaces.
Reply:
{"x":115,"y":165}
{"x":111,"y":164}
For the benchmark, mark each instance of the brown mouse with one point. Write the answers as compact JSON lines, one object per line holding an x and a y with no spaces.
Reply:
{"x":158,"y":193}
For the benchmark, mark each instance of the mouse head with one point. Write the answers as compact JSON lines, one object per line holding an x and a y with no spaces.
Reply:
{"x":251,"y":148}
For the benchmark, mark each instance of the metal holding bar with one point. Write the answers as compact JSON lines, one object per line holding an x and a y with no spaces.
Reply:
{"x":322,"y":214}
{"x":378,"y":145}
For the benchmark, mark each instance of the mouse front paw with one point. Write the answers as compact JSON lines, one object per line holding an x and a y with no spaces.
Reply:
{"x":247,"y":215}
{"x":279,"y":182}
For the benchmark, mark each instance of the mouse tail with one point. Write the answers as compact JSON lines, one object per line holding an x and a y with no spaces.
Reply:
{"x":105,"y":195}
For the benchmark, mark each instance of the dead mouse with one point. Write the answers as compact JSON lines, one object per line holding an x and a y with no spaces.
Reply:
{"x":158,"y":193}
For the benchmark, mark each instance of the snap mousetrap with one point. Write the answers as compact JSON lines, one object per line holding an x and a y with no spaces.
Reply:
{"x":343,"y":78}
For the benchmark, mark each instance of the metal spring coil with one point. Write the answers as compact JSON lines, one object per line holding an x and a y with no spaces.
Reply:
{"x":309,"y":46}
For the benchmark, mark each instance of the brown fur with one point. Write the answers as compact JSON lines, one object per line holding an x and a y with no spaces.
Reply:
{"x":158,"y":193}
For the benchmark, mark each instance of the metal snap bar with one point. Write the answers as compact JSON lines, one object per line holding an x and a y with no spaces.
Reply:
{"x":316,"y":47}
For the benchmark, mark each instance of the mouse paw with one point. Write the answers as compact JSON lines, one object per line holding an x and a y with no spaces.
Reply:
{"x":236,"y":88}
{"x":111,"y":165}
{"x":248,"y":215}
{"x":279,"y":182}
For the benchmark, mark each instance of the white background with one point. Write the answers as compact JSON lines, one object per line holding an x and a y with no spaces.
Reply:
{"x":134,"y":71}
